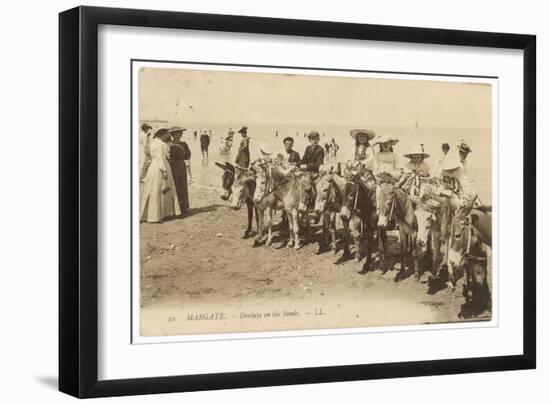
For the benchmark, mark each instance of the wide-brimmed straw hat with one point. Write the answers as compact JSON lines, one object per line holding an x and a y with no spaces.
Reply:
{"x":244,"y":129}
{"x":176,"y":129}
{"x":418,"y":152}
{"x":313,"y":133}
{"x":369,"y":133}
{"x":386,"y":138}
{"x":463,"y":147}
{"x":450,"y":164}
{"x":265,"y":149}
{"x":160,"y":132}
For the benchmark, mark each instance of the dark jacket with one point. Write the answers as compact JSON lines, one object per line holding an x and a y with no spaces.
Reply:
{"x":179,"y":151}
{"x":293,"y":157}
{"x":313,"y":158}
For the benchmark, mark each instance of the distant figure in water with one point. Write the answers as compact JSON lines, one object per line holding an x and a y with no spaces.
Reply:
{"x":195,"y":135}
{"x":205,"y":142}
{"x":276,"y":133}
{"x":334,"y":148}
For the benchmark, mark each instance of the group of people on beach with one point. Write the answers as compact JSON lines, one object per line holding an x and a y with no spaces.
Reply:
{"x":165,"y":167}
{"x":385,"y":163}
{"x":164,"y":171}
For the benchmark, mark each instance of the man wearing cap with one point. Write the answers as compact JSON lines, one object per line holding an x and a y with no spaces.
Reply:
{"x":463,"y":151}
{"x":314,"y":155}
{"x":144,"y":151}
{"x":243,"y":154}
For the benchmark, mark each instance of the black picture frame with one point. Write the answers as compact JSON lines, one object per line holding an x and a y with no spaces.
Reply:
{"x":78,"y":196}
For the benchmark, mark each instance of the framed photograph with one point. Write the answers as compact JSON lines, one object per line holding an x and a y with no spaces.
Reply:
{"x":251,"y":201}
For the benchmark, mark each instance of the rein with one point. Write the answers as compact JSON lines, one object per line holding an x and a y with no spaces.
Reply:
{"x":270,"y":189}
{"x":468,"y":255}
{"x":392,"y":208}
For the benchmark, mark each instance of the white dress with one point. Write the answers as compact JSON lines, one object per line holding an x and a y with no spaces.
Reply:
{"x":155,"y":205}
{"x":144,"y":154}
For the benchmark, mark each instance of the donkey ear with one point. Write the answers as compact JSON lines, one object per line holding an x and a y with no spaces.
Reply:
{"x":230,"y":167}
{"x":222,"y":166}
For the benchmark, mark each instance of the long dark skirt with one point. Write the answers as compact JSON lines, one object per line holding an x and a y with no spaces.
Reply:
{"x":179,"y":172}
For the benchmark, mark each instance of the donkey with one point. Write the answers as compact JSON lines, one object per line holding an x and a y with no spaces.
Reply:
{"x":278,"y":189}
{"x":470,"y":236}
{"x":241,"y":183}
{"x":394,"y":203}
{"x":429,"y":218}
{"x":359,"y":208}
{"x":328,"y":203}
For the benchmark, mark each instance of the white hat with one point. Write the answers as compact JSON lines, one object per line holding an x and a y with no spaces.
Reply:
{"x":418,"y":152}
{"x":369,"y":133}
{"x":386,"y":138}
{"x":265,"y":148}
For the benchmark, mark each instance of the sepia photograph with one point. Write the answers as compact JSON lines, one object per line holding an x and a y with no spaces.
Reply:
{"x":273,"y":199}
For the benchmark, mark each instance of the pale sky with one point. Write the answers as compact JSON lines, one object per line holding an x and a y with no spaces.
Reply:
{"x":197,"y":96}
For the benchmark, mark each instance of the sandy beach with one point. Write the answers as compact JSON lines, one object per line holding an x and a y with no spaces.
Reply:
{"x":200,"y":266}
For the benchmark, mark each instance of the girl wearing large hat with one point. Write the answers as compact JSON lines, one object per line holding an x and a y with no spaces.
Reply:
{"x":363,"y":152}
{"x":454,"y":183}
{"x":386,"y":161}
{"x":158,"y":198}
{"x":417,"y":165}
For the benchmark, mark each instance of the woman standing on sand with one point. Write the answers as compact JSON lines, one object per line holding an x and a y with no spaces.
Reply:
{"x":179,"y":161}
{"x":159,"y":199}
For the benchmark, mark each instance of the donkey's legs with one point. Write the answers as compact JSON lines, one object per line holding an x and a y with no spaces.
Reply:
{"x":356,"y":227}
{"x":414,"y":254}
{"x":250,"y":211}
{"x":383,"y":239}
{"x":259,"y":236}
{"x":296,"y":225}
{"x":332,"y":230}
{"x":269,"y":212}
{"x":402,"y":252}
{"x":368,"y":250}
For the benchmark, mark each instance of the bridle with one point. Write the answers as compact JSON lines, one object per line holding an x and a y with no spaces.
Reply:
{"x":467,"y":253}
{"x":232,"y":179}
{"x":270,"y":181}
